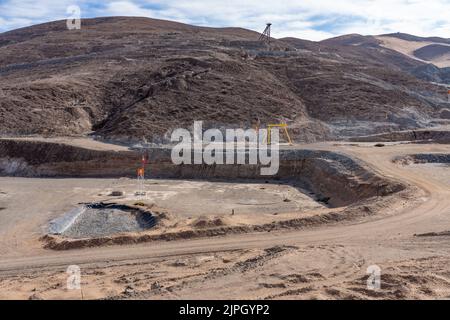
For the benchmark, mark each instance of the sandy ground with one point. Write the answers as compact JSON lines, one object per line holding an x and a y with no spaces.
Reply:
{"x":82,"y":142}
{"x":327,"y":262}
{"x":408,"y":48}
{"x":437,"y":171}
{"x":193,"y":198}
{"x":23,"y":222}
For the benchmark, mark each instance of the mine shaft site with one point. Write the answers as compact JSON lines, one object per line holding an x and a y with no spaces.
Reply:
{"x":332,"y":210}
{"x":357,"y":129}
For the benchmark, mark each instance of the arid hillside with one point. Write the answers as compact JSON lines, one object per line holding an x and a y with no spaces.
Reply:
{"x":127,"y":78}
{"x":433,"y":50}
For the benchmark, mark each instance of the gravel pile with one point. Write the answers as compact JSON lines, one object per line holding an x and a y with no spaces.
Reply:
{"x":103,"y":220}
{"x":433,"y":158}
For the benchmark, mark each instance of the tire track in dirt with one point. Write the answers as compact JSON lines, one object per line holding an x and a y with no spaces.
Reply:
{"x":363,"y":233}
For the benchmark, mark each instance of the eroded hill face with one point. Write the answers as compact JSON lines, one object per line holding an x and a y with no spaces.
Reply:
{"x":125,"y":78}
{"x":431,"y":50}
{"x":424,"y":58}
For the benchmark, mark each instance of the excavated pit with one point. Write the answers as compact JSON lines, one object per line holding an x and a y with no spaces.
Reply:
{"x":333,"y":177}
{"x":333,"y":186}
{"x":100,"y":220}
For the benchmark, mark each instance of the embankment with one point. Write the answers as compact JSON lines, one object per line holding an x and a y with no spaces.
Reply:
{"x":336,"y":178}
{"x":416,"y":136}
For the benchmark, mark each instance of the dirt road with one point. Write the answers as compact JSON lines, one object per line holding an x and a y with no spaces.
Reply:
{"x":383,"y":240}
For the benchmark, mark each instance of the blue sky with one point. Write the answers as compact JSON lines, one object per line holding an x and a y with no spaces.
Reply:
{"x":306,"y":19}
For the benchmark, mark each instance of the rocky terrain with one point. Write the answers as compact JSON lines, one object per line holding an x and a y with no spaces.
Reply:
{"x":125,"y":78}
{"x":370,"y":189}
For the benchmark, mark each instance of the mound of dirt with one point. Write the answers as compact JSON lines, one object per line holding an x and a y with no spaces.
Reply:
{"x":417,"y":136}
{"x":445,"y":114}
{"x":208,"y":222}
{"x":99,"y":220}
{"x":424,"y":158}
{"x":434,"y":234}
{"x":433,"y":158}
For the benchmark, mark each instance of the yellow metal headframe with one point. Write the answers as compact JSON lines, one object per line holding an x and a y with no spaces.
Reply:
{"x":280,"y":125}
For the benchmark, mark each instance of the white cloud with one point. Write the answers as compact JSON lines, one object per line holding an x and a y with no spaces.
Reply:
{"x":120,"y":8}
{"x":22,"y":13}
{"x":308,"y":19}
